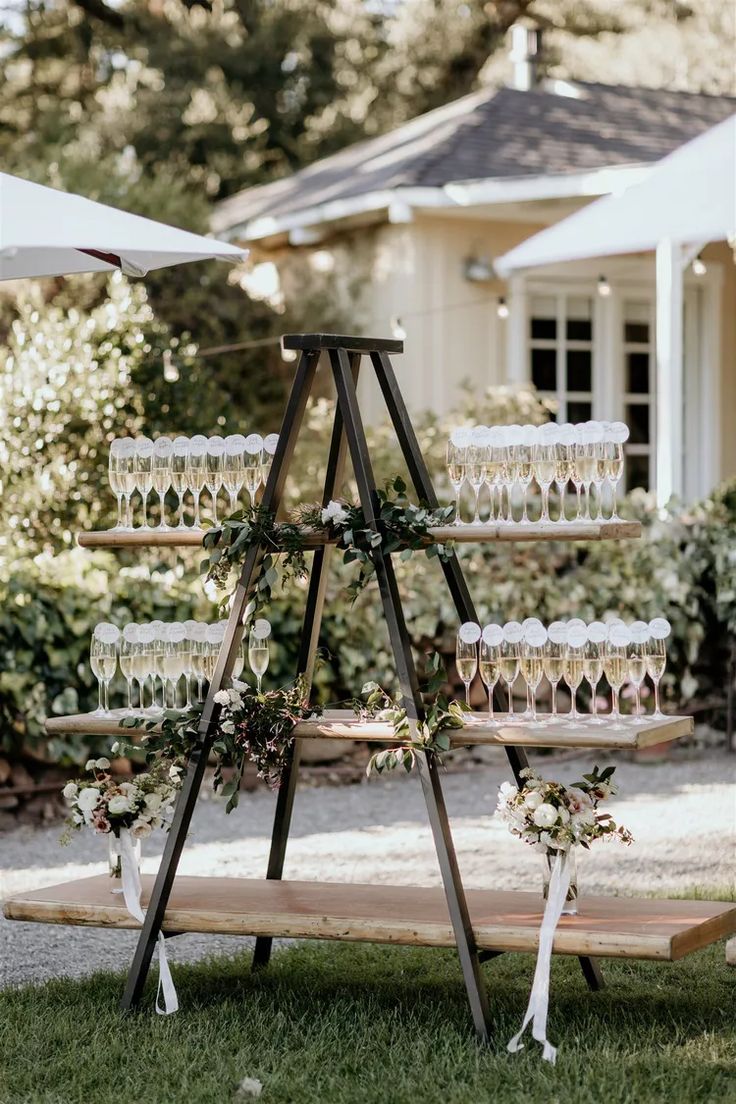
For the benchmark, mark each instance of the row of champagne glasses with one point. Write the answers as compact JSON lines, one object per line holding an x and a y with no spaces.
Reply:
{"x":159,"y":653}
{"x":588,"y":455}
{"x":138,"y":465}
{"x":564,"y":652}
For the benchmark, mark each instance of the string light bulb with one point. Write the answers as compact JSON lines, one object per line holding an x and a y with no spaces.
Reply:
{"x":171,"y":370}
{"x":604,"y":288}
{"x":502,"y":308}
{"x":699,"y":266}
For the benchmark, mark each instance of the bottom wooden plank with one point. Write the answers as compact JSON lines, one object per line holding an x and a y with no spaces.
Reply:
{"x":620,"y":927}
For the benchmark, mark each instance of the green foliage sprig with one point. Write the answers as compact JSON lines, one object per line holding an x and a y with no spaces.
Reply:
{"x":402,"y":526}
{"x":252,"y":728}
{"x":432,"y":734}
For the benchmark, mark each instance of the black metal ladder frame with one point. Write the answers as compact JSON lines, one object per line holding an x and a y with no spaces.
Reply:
{"x":348,"y":435}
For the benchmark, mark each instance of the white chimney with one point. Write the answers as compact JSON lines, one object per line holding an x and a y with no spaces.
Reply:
{"x":525,"y":56}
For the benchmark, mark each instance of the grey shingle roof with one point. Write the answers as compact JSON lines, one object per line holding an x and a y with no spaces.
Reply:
{"x":491,"y":134}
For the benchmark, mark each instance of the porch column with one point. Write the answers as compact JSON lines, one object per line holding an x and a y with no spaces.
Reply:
{"x":670,"y":382}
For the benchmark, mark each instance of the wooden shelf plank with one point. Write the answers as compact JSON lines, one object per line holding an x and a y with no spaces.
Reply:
{"x":344,"y":725}
{"x":618,"y":927}
{"x":461,"y":534}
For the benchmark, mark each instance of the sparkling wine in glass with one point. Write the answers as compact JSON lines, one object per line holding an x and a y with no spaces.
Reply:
{"x":115,"y":473}
{"x":615,"y":665}
{"x":637,"y":652}
{"x":532,"y":661}
{"x":180,"y":473}
{"x":103,"y":657}
{"x":233,"y":475}
{"x":595,"y":647}
{"x":554,"y":658}
{"x":456,"y":464}
{"x":143,"y":468}
{"x":128,"y":652}
{"x":161,"y":469}
{"x":545,"y":468}
{"x":270,"y":444}
{"x":258,"y":650}
{"x":253,"y":459}
{"x":197,"y":472}
{"x":618,"y":433}
{"x":214,"y":471}
{"x":659,"y":630}
{"x":489,"y":662}
{"x":573,"y":669}
{"x":510,"y":659}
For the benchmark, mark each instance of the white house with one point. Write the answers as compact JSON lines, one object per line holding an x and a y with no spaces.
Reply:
{"x":413,"y":220}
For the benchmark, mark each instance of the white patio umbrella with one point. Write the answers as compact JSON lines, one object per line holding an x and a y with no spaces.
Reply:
{"x":45,"y":232}
{"x":687,"y":200}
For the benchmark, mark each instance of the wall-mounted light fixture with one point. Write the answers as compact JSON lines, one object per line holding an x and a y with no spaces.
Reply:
{"x":699,"y":266}
{"x":604,"y":288}
{"x":478,"y":270}
{"x":502,"y":308}
{"x":397,"y":329}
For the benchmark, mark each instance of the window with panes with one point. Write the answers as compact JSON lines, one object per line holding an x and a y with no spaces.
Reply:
{"x":637,"y":338}
{"x":561,"y":352}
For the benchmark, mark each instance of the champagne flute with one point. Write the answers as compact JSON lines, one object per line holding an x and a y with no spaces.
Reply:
{"x":175,"y":663}
{"x":127,"y":473}
{"x":584,"y":469}
{"x":659,"y":630}
{"x":143,"y":664}
{"x":115,"y":474}
{"x":160,"y":637}
{"x":213,"y":640}
{"x":239,"y":661}
{"x":199,"y":651}
{"x":258,"y":652}
{"x":500,"y":461}
{"x":554,"y":658}
{"x":636,"y":655}
{"x":489,"y":665}
{"x":103,"y":659}
{"x":234,"y":468}
{"x":180,"y":473}
{"x":161,"y":469}
{"x":197,"y":472}
{"x":143,"y":468}
{"x":545,"y":468}
{"x":510,"y":660}
{"x":476,"y":475}
{"x":615,"y":665}
{"x":599,"y":476}
{"x":524,"y":472}
{"x":614,"y":449}
{"x":213,"y":471}
{"x":128,"y":652}
{"x":253,"y":465}
{"x":532,"y":661}
{"x":564,"y":453}
{"x":190,"y":628}
{"x":573,"y":666}
{"x":593,"y":654}
{"x":270,"y":444}
{"x":456,"y":461}
{"x":466,"y":655}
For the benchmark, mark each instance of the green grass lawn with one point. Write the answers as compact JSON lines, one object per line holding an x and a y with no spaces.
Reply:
{"x":357,"y":1024}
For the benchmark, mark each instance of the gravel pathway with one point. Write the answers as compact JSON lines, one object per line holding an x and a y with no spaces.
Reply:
{"x":682,"y":814}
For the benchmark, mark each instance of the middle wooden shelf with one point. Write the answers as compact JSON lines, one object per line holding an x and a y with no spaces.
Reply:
{"x":314,"y":538}
{"x":344,"y":725}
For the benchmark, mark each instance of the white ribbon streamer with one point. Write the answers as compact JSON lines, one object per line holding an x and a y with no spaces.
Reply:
{"x":559,"y":884}
{"x":132,"y":896}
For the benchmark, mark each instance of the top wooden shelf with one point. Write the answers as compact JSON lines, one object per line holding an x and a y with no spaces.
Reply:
{"x":461,"y":534}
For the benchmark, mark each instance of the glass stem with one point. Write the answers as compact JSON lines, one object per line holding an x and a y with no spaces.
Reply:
{"x":587,"y":501}
{"x":524,"y":492}
{"x":199,"y":688}
{"x":614,"y":515}
{"x":574,"y":706}
{"x":554,"y":699}
{"x":119,"y":524}
{"x":144,"y":501}
{"x":128,"y":513}
{"x":99,"y":696}
{"x":213,"y":495}
{"x":637,"y":706}
{"x":562,"y":503}
{"x":657,"y":710}
{"x":107,"y":701}
{"x":233,"y":502}
{"x":197,"y":520}
{"x":130,"y":695}
{"x":476,"y":516}
{"x":534,"y":703}
{"x":188,"y":682}
{"x":181,"y":511}
{"x":467,"y":694}
{"x":162,"y":519}
{"x":614,"y":703}
{"x":490,"y":703}
{"x":545,"y":503}
{"x":593,"y":702}
{"x":511,"y":699}
{"x":259,"y":677}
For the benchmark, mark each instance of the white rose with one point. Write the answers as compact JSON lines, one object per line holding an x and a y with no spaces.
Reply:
{"x":70,"y":791}
{"x":130,"y":790}
{"x":334,"y":512}
{"x":563,"y":814}
{"x":153,"y":802}
{"x":545,"y":815}
{"x":118,"y":804}
{"x":234,"y":698}
{"x":88,"y":798}
{"x":533,"y":800}
{"x":507,"y":790}
{"x":222,"y":697}
{"x":241,"y":687}
{"x":140,"y":829}
{"x":103,"y":764}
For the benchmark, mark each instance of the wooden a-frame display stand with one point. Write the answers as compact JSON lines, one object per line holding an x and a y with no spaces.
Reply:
{"x":480,"y":923}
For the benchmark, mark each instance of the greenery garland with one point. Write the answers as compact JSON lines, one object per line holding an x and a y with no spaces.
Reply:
{"x":431,"y":735}
{"x":403,"y":526}
{"x":252,"y":728}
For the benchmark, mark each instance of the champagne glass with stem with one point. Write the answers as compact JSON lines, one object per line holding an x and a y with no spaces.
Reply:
{"x":213,"y":471}
{"x":599,"y":476}
{"x":615,"y":666}
{"x":545,"y":467}
{"x":258,"y":654}
{"x":115,"y":474}
{"x":143,"y":662}
{"x":179,"y":473}
{"x":456,"y":466}
{"x":476,"y":475}
{"x":532,"y":662}
{"x":239,"y":661}
{"x":593,"y":664}
{"x":161,"y":470}
{"x":614,"y":462}
{"x":500,"y":459}
{"x":636,"y":654}
{"x":510,"y":659}
{"x":659,"y":630}
{"x":144,"y":473}
{"x":253,"y":465}
{"x":103,"y":657}
{"x":161,"y":632}
{"x":199,"y":649}
{"x":128,"y":652}
{"x":270,"y":444}
{"x":563,"y":472}
{"x":554,"y":659}
{"x":127,"y":471}
{"x":524,"y":473}
{"x":574,"y":657}
{"x":584,"y":471}
{"x":197,"y":472}
{"x":490,"y":655}
{"x":234,"y":470}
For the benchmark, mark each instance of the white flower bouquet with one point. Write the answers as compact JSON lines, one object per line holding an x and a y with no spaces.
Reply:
{"x":107,"y":805}
{"x":553,"y":817}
